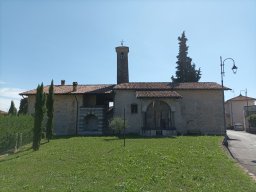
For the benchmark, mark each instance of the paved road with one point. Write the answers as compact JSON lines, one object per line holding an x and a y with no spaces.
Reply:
{"x":242,"y":145}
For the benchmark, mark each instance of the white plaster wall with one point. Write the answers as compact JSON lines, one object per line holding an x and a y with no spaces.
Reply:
{"x":237,"y":112}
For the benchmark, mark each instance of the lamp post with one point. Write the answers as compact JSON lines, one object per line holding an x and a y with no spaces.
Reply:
{"x":246,"y":114}
{"x":234,"y":69}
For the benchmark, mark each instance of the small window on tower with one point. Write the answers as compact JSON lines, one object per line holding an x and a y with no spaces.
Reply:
{"x":122,"y":55}
{"x":134,"y":108}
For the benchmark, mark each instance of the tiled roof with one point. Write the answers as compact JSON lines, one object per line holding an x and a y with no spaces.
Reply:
{"x":157,"y":94}
{"x":81,"y":89}
{"x":168,"y":86}
{"x":3,"y":112}
{"x":140,"y":86}
{"x":241,"y":98}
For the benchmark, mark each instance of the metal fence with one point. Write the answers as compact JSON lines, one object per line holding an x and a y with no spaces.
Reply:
{"x":15,"y":132}
{"x":10,"y":143}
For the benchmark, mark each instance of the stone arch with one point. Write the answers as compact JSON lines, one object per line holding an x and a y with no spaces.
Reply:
{"x":158,"y":116}
{"x":90,"y":123}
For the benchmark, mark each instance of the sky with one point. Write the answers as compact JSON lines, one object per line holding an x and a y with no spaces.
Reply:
{"x":75,"y":40}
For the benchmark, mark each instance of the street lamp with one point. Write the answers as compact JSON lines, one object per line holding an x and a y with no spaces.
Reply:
{"x":234,"y":69}
{"x":246,"y":114}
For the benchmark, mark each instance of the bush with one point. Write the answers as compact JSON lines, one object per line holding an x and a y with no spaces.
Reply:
{"x":252,"y":120}
{"x":117,"y":124}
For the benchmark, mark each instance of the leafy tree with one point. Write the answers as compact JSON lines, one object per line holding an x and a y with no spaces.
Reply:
{"x":50,"y":109}
{"x":117,"y":124}
{"x":23,"y":110}
{"x":186,"y":71}
{"x":252,"y":120}
{"x":12,"y":110}
{"x":39,"y":115}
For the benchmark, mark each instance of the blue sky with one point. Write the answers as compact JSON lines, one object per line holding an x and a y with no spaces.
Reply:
{"x":75,"y":40}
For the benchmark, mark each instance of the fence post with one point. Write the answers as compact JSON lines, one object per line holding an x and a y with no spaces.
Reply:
{"x":20,"y":145}
{"x":124,"y":127}
{"x":16,"y":143}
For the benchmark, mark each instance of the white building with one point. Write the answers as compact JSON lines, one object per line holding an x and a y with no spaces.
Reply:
{"x":235,"y":110}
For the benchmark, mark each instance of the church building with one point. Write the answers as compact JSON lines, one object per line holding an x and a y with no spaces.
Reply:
{"x":149,"y":108}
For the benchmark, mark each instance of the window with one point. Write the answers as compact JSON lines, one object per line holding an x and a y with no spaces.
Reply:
{"x":122,"y":55}
{"x":134,"y":108}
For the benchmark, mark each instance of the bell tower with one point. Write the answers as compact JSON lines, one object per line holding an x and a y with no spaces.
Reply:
{"x":122,"y":64}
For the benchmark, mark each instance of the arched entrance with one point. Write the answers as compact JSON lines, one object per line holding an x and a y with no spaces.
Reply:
{"x":90,"y":123}
{"x":158,"y":116}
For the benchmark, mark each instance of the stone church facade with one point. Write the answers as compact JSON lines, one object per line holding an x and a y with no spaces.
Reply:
{"x":149,"y":108}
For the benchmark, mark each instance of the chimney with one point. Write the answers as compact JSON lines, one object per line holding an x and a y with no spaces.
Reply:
{"x":62,"y":82}
{"x":122,"y":64}
{"x":74,"y":86}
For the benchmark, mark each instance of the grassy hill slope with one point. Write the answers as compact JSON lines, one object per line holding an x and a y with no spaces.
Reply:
{"x":103,"y":164}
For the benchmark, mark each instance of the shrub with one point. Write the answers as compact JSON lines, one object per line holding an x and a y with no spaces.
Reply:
{"x":117,"y":124}
{"x":15,"y":130}
{"x":252,"y":120}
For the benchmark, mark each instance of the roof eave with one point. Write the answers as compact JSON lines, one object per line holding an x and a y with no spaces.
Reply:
{"x":159,"y":97}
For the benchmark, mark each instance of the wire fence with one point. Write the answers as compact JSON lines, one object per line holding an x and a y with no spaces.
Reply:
{"x":15,"y":132}
{"x":10,"y":143}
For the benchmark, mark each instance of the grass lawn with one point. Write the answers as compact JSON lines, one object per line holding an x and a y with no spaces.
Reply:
{"x":103,"y":164}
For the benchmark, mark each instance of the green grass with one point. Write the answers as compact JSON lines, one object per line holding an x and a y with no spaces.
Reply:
{"x":103,"y":164}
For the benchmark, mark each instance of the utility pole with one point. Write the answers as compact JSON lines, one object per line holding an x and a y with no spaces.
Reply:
{"x":124,"y":127}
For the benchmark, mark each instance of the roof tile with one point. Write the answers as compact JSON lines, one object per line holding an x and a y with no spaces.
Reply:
{"x":241,"y":98}
{"x":157,"y":94}
{"x":68,"y":89}
{"x":140,"y":86}
{"x":168,"y":86}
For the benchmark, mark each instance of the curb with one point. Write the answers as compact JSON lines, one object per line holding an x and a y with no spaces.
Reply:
{"x":225,"y":145}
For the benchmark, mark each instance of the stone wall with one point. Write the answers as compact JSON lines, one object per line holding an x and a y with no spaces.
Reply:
{"x":99,"y":113}
{"x":31,"y":104}
{"x":124,"y":99}
{"x":201,"y":110}
{"x":198,"y":110}
{"x":65,"y":113}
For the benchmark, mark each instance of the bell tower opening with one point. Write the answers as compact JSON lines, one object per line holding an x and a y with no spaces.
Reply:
{"x":122,"y":64}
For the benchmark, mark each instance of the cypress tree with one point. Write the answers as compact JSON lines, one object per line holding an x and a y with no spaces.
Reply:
{"x":12,"y":109}
{"x":39,"y":116}
{"x":50,"y":109}
{"x":186,"y":71}
{"x":23,"y":110}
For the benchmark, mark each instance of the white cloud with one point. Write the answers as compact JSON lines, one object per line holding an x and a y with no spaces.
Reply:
{"x":2,"y":82}
{"x":7,"y":95}
{"x":6,"y":103}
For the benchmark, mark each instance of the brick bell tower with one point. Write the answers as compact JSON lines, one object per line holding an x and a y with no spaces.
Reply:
{"x":122,"y":64}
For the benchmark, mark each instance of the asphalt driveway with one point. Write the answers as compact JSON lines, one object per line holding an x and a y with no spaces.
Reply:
{"x":242,"y":145}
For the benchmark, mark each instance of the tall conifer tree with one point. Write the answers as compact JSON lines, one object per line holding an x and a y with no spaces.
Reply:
{"x":12,"y":110}
{"x":39,"y":116}
{"x":186,"y":71}
{"x":23,"y":110}
{"x":50,"y":109}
